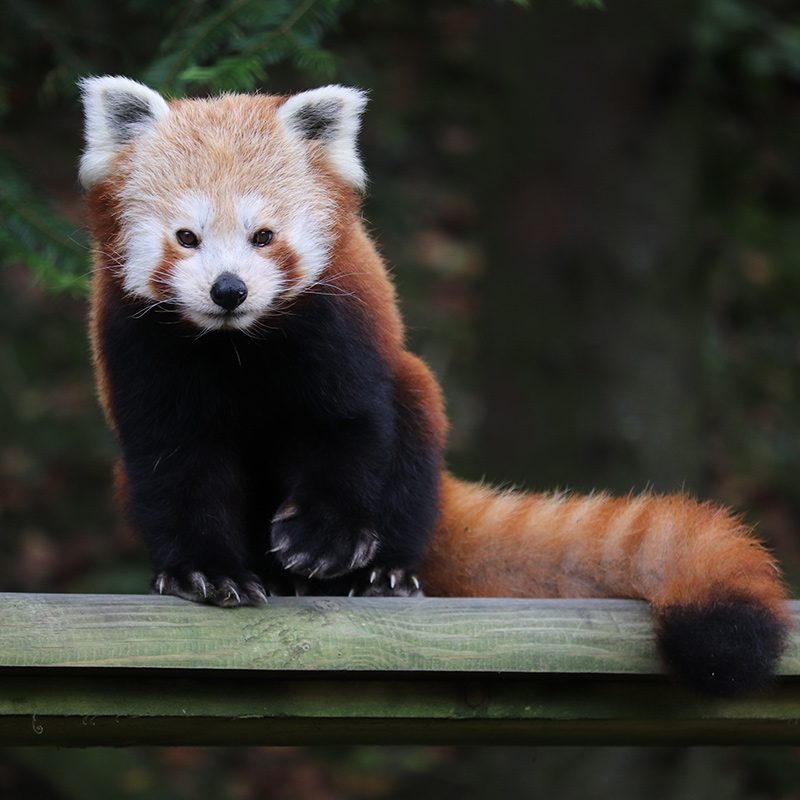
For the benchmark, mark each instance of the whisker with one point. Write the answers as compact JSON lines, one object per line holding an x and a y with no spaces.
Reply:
{"x":140,"y":314}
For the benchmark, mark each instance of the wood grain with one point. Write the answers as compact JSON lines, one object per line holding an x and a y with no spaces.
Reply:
{"x":324,"y":634}
{"x":96,"y":669}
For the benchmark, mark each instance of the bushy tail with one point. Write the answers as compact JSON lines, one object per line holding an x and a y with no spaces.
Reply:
{"x":717,"y":596}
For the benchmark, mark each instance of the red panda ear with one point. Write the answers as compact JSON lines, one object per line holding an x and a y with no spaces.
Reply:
{"x":117,"y":109}
{"x":331,"y":116}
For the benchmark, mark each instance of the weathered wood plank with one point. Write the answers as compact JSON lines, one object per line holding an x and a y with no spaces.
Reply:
{"x":328,"y":634}
{"x":86,"y":670}
{"x":331,"y":634}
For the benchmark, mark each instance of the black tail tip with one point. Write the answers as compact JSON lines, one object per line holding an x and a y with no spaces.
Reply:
{"x":726,"y":647}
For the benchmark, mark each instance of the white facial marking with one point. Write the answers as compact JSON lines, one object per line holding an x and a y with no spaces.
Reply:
{"x":193,"y":212}
{"x":251,"y":210}
{"x":143,"y":246}
{"x":225,"y":246}
{"x":309,"y":237}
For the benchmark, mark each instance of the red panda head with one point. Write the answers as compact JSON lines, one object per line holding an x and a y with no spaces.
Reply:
{"x":224,"y":207}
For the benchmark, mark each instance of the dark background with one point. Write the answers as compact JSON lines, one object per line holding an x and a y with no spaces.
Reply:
{"x":592,"y":218}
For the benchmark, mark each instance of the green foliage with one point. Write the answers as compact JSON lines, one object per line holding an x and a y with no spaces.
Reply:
{"x":231,"y":47}
{"x":764,"y":43}
{"x":32,"y":233}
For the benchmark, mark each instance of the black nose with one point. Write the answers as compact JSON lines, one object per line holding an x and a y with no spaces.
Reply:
{"x":228,"y":291}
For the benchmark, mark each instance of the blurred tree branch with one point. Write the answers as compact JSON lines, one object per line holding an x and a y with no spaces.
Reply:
{"x":218,"y":45}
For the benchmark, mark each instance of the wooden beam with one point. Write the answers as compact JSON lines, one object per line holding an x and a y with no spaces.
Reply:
{"x":95,"y":669}
{"x":325,"y":634}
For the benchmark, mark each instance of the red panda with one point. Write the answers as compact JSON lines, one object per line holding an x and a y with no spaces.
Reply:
{"x":276,"y":435}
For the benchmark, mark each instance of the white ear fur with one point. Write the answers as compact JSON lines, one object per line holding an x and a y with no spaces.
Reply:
{"x":332,"y":116}
{"x":117,"y":109}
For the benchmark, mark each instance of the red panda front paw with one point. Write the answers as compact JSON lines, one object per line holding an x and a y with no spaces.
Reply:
{"x":386,"y":582}
{"x":320,"y":543}
{"x":218,"y":590}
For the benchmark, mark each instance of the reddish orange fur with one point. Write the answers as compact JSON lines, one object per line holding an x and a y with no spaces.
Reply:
{"x":104,"y":225}
{"x":358,"y":271}
{"x":286,"y":260}
{"x":664,"y":549}
{"x":161,"y":274}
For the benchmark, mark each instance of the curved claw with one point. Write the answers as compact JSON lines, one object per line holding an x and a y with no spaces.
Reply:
{"x":219,"y":591}
{"x":387,"y":582}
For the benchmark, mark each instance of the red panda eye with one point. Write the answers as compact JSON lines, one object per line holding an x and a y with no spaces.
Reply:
{"x":262,"y":238}
{"x":187,"y":238}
